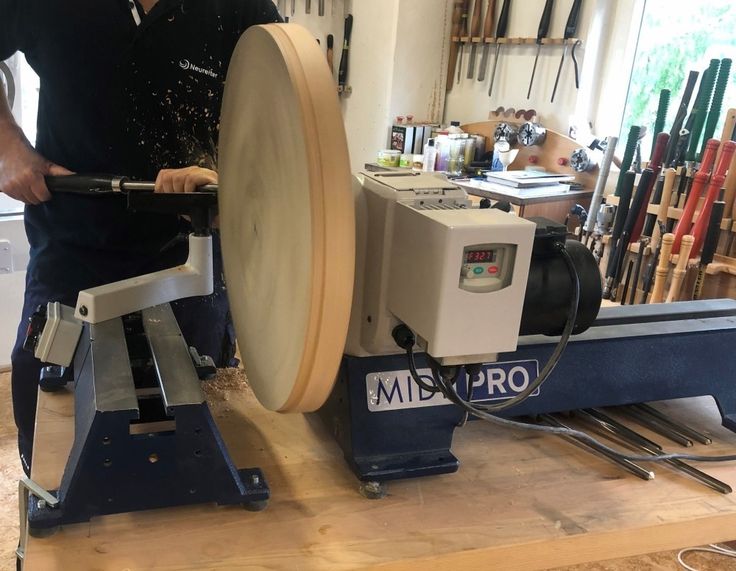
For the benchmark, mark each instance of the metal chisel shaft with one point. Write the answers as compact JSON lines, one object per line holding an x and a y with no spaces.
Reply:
{"x":541,"y":34}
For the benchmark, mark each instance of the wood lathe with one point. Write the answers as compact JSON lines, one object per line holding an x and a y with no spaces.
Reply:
{"x":385,"y":302}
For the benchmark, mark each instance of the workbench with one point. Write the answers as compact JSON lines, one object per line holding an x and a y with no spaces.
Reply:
{"x":521,"y":501}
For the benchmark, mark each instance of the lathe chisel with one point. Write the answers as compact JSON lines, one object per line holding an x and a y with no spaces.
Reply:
{"x":475,"y":31}
{"x":487,"y":33}
{"x":607,"y":425}
{"x":503,"y":21}
{"x":627,"y":465}
{"x":682,"y":428}
{"x":542,"y":32}
{"x":570,"y":30}
{"x":655,"y":426}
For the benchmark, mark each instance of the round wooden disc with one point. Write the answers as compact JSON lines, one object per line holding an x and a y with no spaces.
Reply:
{"x":287,"y":216}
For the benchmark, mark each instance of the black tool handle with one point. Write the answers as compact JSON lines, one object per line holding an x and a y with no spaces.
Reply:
{"x":84,"y":184}
{"x":342,"y":74}
{"x":627,"y":188}
{"x":714,"y":232}
{"x":571,"y":28}
{"x":503,"y":19}
{"x":543,"y":29}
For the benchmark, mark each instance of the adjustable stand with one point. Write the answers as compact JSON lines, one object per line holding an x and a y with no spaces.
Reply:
{"x":144,"y":436}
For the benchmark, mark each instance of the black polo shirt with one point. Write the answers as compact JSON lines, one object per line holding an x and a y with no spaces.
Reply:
{"x":121,"y":98}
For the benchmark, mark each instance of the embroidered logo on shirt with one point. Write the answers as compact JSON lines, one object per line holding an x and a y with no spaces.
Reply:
{"x":186,"y":65}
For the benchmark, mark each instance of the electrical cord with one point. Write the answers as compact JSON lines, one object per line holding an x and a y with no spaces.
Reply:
{"x":712,"y":548}
{"x":446,"y":377}
{"x":559,"y":349}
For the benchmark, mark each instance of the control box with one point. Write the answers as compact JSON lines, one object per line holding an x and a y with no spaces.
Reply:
{"x":458,"y":278}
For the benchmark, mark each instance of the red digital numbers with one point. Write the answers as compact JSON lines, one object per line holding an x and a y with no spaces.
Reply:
{"x":479,"y":256}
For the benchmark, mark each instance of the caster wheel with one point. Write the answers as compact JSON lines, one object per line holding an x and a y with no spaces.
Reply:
{"x":373,"y":490}
{"x":43,"y":532}
{"x":256,"y":506}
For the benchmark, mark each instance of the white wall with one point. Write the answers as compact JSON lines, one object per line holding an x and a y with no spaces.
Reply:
{"x":605,"y":30}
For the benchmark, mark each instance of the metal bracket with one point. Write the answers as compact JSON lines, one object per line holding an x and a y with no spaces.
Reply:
{"x":194,"y":278}
{"x":26,"y":489}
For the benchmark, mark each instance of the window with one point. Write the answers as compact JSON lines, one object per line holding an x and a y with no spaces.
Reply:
{"x":678,"y":36}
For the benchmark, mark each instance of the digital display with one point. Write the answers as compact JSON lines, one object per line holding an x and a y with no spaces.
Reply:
{"x":480,"y":257}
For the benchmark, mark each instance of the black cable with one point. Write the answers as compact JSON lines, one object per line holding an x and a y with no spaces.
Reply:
{"x":447,"y":377}
{"x":559,"y":349}
{"x":415,"y":374}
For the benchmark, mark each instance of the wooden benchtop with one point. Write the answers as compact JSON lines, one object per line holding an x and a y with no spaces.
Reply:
{"x":520,"y":501}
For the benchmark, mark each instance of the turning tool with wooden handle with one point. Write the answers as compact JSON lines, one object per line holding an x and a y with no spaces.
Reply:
{"x":457,"y":20}
{"x":662,"y":108}
{"x":475,"y":31}
{"x":681,"y":269}
{"x":487,"y":33}
{"x":709,"y":246}
{"x":700,"y":180}
{"x":662,"y":269}
{"x":342,"y":74}
{"x":464,"y":33}
{"x":664,"y":202}
{"x":542,"y":32}
{"x":571,"y":29}
{"x":501,"y":28}
{"x":331,"y":53}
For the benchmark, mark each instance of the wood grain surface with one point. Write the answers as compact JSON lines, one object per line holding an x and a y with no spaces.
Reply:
{"x":519,"y":502}
{"x":287,"y":216}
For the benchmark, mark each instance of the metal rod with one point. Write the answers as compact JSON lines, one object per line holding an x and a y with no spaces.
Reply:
{"x":655,"y":426}
{"x":493,"y":73}
{"x":136,"y":186}
{"x":559,"y":72}
{"x":641,"y":443}
{"x":627,"y":465}
{"x":681,"y":428}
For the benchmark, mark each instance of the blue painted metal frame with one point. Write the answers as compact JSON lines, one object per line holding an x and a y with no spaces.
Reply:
{"x":630,"y":355}
{"x":113,"y":471}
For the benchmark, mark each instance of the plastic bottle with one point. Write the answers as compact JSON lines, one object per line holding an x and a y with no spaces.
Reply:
{"x":430,"y":156}
{"x":454,"y":128}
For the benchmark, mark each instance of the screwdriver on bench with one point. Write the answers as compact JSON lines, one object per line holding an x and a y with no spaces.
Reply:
{"x":541,"y":34}
{"x":571,"y":29}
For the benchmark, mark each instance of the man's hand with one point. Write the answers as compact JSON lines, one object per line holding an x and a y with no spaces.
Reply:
{"x":22,"y":169}
{"x":184,"y":180}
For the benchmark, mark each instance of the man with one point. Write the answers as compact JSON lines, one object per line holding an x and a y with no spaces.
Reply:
{"x":129,"y":87}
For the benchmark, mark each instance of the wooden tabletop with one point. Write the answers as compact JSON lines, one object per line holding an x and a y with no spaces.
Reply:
{"x":520,"y":501}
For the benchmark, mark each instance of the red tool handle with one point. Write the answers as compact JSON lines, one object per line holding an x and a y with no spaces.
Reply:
{"x":683,"y":226}
{"x":701,"y":226}
{"x":660,"y":147}
{"x":709,"y":155}
{"x":724,"y":161}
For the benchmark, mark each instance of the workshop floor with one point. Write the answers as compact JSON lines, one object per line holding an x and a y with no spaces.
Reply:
{"x":11,"y":471}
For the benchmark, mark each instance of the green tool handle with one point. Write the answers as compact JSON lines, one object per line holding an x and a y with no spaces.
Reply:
{"x":662,"y":108}
{"x":680,"y":117}
{"x":634,"y":133}
{"x":714,"y":113}
{"x":700,"y":109}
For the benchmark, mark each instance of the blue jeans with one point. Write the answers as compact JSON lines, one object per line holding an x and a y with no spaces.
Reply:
{"x":205,"y":323}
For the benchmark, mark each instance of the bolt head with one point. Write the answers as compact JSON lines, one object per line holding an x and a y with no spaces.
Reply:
{"x":41,"y":504}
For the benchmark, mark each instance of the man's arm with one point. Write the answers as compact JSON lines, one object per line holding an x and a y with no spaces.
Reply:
{"x":21,"y":168}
